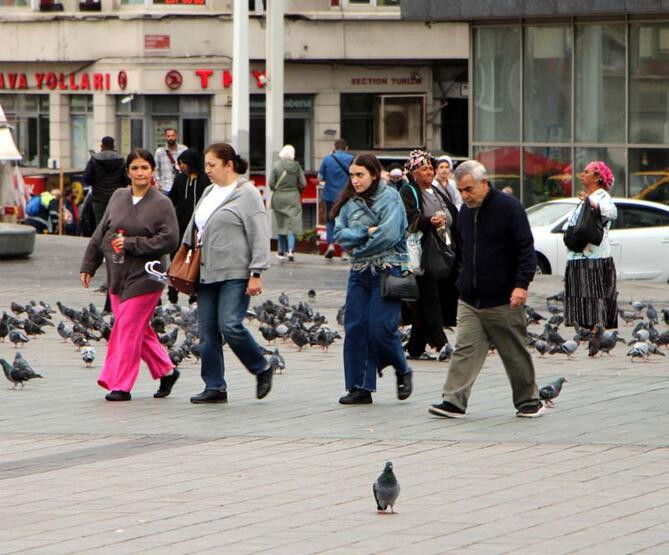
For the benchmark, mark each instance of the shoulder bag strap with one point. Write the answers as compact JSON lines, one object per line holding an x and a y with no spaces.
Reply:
{"x":341,"y":164}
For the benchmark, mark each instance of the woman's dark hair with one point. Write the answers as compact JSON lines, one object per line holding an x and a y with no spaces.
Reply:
{"x":194,"y":159}
{"x":142,"y":153}
{"x":373,"y":166}
{"x":225,"y":152}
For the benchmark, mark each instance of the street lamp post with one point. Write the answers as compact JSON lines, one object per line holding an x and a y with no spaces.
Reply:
{"x":274,"y":88}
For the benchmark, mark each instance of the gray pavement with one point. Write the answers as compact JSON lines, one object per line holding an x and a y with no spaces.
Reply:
{"x":293,"y":473}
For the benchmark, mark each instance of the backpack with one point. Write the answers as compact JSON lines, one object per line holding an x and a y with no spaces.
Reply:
{"x":34,"y":206}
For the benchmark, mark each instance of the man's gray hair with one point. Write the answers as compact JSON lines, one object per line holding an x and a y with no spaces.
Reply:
{"x":470,"y":167}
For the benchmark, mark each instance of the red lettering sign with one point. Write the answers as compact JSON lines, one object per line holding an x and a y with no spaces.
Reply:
{"x":39,"y":77}
{"x":23,"y":81}
{"x":2,"y":81}
{"x":85,"y":82}
{"x":11,"y":77}
{"x":51,"y":81}
{"x":227,"y":78}
{"x":204,"y":75}
{"x":61,"y":82}
{"x":261,"y":77}
{"x":157,"y":42}
{"x":98,"y":82}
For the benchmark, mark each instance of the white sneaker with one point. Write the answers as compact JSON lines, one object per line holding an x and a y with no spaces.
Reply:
{"x":344,"y":256}
{"x":280,"y":256}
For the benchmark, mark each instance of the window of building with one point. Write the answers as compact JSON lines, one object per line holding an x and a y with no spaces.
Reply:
{"x":81,"y":129}
{"x":547,"y":84}
{"x":497,"y":84}
{"x":649,"y":73}
{"x":29,"y":115}
{"x":614,"y":157}
{"x":383,"y":121}
{"x":649,"y":174}
{"x":600,"y":83}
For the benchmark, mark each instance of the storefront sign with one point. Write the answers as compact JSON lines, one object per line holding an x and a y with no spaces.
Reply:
{"x":205,"y":74}
{"x":386,"y":81}
{"x":173,"y":79}
{"x":156,"y":42}
{"x":61,"y":81}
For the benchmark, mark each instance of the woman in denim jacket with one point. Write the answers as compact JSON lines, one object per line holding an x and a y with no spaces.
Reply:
{"x":370,"y":222}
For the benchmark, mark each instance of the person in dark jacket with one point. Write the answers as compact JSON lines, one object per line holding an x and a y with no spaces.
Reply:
{"x":185,"y":193}
{"x":430,"y":211}
{"x":105,"y":172}
{"x":498,"y":264}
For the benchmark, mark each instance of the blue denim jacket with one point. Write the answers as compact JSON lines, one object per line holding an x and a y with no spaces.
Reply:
{"x":387,"y":246}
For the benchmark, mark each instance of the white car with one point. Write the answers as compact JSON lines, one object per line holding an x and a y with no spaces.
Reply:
{"x":639,"y":237}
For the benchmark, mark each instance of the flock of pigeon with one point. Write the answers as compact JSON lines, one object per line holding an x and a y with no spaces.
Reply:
{"x":646,"y":339}
{"x":282,"y":321}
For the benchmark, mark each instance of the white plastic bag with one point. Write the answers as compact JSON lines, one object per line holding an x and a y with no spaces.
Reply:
{"x":415,"y":253}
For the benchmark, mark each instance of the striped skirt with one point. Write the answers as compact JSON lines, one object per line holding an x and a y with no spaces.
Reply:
{"x":590,"y":294}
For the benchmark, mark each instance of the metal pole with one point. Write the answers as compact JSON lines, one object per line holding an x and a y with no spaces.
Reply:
{"x":240,"y":78}
{"x":61,"y":200}
{"x":274,"y":54}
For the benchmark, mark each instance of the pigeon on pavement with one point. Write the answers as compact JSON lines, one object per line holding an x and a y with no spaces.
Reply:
{"x":88,"y":356}
{"x":568,"y":348}
{"x":386,"y":489}
{"x":16,"y":376}
{"x":17,"y":336}
{"x":639,"y":350}
{"x":277,"y":362}
{"x":550,"y":392}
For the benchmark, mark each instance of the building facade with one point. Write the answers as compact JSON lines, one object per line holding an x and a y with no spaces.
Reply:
{"x":131,"y":69}
{"x":556,"y":84}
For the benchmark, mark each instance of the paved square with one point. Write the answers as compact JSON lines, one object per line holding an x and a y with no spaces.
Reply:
{"x":293,"y":473}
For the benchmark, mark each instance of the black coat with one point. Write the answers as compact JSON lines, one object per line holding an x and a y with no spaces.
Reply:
{"x":105,"y":172}
{"x":185,"y":194}
{"x":497,"y":249}
{"x":440,"y":297}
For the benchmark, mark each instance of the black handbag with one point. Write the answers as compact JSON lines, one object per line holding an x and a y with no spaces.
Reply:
{"x":588,"y":229}
{"x":438,"y":258}
{"x":402,"y":288}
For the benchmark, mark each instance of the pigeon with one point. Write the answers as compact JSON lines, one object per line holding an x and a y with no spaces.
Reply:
{"x":638,"y":306}
{"x":17,"y":376}
{"x":79,"y":340}
{"x":640,"y":335}
{"x":4,"y":328}
{"x":550,"y":392}
{"x":268,"y":333}
{"x":311,"y":294}
{"x":663,"y":339}
{"x":551,"y":335}
{"x":446,"y":352}
{"x":324,"y":338}
{"x":17,"y":309}
{"x":608,"y":342}
{"x":31,"y":328}
{"x":299,"y":337}
{"x":169,"y":339}
{"x":554,"y":309}
{"x":276,"y":362}
{"x":665,"y":315}
{"x":653,"y":350}
{"x":556,"y":320}
{"x":283,"y":299}
{"x":533,"y":317}
{"x":568,"y":348}
{"x":64,"y":330}
{"x":88,"y":356}
{"x":17,"y":336}
{"x":628,"y":316}
{"x":557,"y":297}
{"x":651,"y":314}
{"x":639,"y":350}
{"x":386,"y":489}
{"x":595,"y":344}
{"x":541,"y":347}
{"x":340,"y":315}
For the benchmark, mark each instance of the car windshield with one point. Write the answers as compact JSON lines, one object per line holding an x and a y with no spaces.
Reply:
{"x":548,"y":212}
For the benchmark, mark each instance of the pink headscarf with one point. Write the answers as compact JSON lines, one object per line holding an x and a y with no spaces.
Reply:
{"x":418,"y":158}
{"x":604,"y":172}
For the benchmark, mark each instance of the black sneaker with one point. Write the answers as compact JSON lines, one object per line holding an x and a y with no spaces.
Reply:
{"x":531,"y":410}
{"x":330,"y":251}
{"x":166,"y":384}
{"x":210,"y":396}
{"x":447,"y":410}
{"x":404,"y":386}
{"x":118,"y":396}
{"x":264,"y":383}
{"x":356,"y":397}
{"x":291,"y":256}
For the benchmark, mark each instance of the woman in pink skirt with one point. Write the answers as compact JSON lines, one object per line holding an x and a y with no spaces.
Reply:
{"x":138,"y":225}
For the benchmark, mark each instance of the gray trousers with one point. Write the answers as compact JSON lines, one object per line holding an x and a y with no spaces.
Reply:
{"x":506,"y":327}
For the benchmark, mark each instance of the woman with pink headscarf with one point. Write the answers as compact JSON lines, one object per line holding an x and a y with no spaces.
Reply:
{"x":590,"y":278}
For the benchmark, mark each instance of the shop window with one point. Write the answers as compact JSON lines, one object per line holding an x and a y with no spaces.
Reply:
{"x":50,"y":6}
{"x":502,"y":165}
{"x":613,"y":157}
{"x":90,"y":6}
{"x":81,"y":129}
{"x":378,"y":121}
{"x":546,"y":174}
{"x":649,"y":174}
{"x":28,"y":114}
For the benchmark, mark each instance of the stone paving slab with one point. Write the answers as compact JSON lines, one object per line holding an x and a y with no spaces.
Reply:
{"x":293,"y":473}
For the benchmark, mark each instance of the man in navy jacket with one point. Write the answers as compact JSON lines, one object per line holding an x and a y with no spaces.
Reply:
{"x":498,"y":263}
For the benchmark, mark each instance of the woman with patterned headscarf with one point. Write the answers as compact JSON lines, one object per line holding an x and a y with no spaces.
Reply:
{"x":590,"y":277}
{"x":429,"y":210}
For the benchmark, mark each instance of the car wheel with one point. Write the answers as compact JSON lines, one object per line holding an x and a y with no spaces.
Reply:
{"x":542,"y":266}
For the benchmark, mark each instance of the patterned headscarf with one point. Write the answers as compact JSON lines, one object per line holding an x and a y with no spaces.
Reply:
{"x":604,"y":172}
{"x":417,"y":159}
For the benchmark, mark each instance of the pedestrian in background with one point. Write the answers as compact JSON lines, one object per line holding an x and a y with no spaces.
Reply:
{"x":189,"y":184}
{"x":444,"y":180}
{"x":334,"y":172}
{"x":498,"y":264}
{"x":232,"y":228}
{"x":590,"y":277}
{"x":105,"y":172}
{"x":286,"y":182}
{"x":429,"y":210}
{"x":139,"y":225}
{"x":396,"y":176}
{"x":371,"y":223}
{"x":166,"y":160}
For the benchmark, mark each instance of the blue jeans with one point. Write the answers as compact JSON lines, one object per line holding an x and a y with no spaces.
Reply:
{"x":372,"y":339}
{"x":287,"y":243}
{"x":329,"y":222}
{"x":221,"y":310}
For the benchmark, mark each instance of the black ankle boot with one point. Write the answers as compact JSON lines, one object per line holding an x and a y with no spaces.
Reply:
{"x":356,"y":397}
{"x":404,"y":385}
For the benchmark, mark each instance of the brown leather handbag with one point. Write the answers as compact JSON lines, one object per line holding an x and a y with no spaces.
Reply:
{"x":184,"y":271}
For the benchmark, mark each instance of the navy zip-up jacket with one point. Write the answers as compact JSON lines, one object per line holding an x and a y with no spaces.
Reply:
{"x":497,"y":250}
